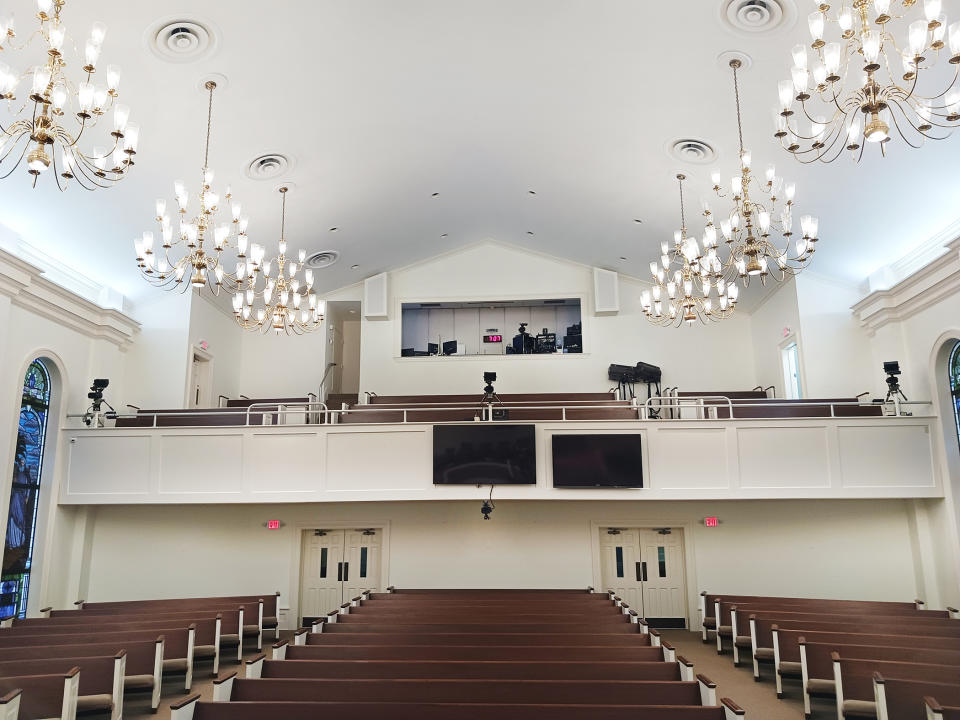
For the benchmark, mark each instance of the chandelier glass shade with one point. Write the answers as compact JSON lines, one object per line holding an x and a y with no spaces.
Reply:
{"x":684,"y":280}
{"x":191,"y":255}
{"x":759,"y":228}
{"x":282,"y":300}
{"x":860,"y":86}
{"x":59,"y":109}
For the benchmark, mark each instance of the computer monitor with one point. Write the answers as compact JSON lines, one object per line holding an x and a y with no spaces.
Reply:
{"x":406,"y":352}
{"x":450,"y":347}
{"x":433,"y":349}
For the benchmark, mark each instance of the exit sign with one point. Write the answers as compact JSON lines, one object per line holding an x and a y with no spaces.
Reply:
{"x":710,"y":521}
{"x":273,"y":524}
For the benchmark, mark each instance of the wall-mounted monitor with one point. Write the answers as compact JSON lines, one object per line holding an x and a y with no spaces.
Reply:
{"x":591,"y":461}
{"x":484,"y":454}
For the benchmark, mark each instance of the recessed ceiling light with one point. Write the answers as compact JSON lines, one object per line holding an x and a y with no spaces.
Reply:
{"x":434,"y":194}
{"x":622,"y":257}
{"x":444,"y":235}
{"x":334,"y":229}
{"x":529,"y":232}
{"x":637,"y":220}
{"x":532,"y":192}
{"x":354,"y":267}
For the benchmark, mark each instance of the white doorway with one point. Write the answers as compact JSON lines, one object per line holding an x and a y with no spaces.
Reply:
{"x":336,"y":566}
{"x":645,"y":567}
{"x":200,"y":386}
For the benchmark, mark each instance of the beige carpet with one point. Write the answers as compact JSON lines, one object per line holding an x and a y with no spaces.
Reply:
{"x":758,"y":699}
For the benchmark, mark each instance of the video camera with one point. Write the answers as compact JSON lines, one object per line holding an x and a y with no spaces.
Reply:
{"x":94,"y":414}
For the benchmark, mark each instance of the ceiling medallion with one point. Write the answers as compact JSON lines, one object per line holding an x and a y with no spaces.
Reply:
{"x":41,"y":131}
{"x":863,"y":87}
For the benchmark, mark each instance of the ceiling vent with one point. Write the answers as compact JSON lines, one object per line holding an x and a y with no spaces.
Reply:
{"x":322,"y":259}
{"x":691,"y":150}
{"x":181,"y":40}
{"x":267,"y":167}
{"x":752,"y":17}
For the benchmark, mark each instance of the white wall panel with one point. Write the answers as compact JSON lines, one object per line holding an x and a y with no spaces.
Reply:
{"x":466,"y":325}
{"x":199,"y":464}
{"x":287,"y":463}
{"x":440,"y":327}
{"x":783,"y":457}
{"x":378,"y":461}
{"x":879,"y":456}
{"x":104,"y":465}
{"x":689,"y":458}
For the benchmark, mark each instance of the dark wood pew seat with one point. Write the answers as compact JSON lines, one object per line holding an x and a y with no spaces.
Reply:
{"x":640,"y":653}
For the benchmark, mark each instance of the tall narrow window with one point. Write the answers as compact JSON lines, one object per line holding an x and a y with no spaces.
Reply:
{"x":25,"y":492}
{"x":954,"y":366}
{"x":790,"y":354}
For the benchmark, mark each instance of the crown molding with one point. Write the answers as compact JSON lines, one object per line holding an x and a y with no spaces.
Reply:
{"x":935,"y":281}
{"x":26,"y":287}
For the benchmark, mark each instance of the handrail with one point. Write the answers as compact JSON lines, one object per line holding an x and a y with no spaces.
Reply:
{"x":283,"y":408}
{"x":774,"y":388}
{"x":330,"y":366}
{"x":865,"y":392}
{"x":758,"y":387}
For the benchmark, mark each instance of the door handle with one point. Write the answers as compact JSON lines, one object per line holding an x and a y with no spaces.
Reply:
{"x":339,"y":572}
{"x":643,"y":569}
{"x":346,"y":571}
{"x":639,"y":572}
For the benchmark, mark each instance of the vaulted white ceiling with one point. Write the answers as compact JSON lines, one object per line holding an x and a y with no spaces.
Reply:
{"x":383,"y":103}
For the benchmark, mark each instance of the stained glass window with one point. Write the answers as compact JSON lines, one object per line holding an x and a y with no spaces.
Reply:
{"x":25,"y":492}
{"x":955,"y":383}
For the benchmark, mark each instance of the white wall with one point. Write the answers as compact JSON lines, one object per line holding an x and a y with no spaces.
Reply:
{"x":703,"y":358}
{"x":806,"y":548}
{"x":836,"y":349}
{"x":776,"y":319}
{"x":157,"y":364}
{"x":350,"y":361}
{"x":224,"y":342}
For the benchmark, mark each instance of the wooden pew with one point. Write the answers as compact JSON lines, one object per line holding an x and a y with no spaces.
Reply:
{"x":100,"y":687}
{"x":623,"y":627}
{"x":537,"y":692}
{"x":817,"y":664}
{"x":936,"y":711}
{"x":143,"y":660}
{"x":759,"y":635}
{"x":210,"y":627}
{"x":640,"y":653}
{"x":192,"y":709}
{"x":897,"y":699}
{"x":786,"y":645}
{"x":260,"y":667}
{"x":177,"y":659}
{"x":480,"y":638}
{"x":42,"y":696}
{"x":854,"y":682}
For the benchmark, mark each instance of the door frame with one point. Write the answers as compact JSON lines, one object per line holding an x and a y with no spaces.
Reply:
{"x":206,"y":357}
{"x":689,"y":558}
{"x":296,"y":574}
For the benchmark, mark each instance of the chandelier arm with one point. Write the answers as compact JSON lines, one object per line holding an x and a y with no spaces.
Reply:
{"x":20,"y":159}
{"x":896,"y":124}
{"x":947,"y":89}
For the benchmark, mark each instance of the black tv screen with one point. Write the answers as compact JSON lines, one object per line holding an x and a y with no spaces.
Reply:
{"x":587,"y":461}
{"x":484,"y":454}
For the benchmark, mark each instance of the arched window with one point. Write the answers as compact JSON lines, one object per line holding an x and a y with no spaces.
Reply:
{"x":954,"y":366}
{"x":25,"y":492}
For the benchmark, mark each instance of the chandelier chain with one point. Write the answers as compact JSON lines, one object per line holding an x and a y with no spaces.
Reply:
{"x":736,"y":93}
{"x":683,"y":217}
{"x":211,"y":86}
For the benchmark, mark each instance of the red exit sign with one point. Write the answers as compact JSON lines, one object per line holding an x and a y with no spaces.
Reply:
{"x":273,"y":524}
{"x":711,"y":521}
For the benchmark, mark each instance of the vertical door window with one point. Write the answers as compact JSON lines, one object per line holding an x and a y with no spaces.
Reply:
{"x":363,"y":562}
{"x":323,"y":562}
{"x":662,"y":561}
{"x":25,"y":492}
{"x":791,"y":371}
{"x":619,"y":555}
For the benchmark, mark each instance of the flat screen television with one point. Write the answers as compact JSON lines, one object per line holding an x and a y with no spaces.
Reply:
{"x":589,"y":461}
{"x":484,"y":454}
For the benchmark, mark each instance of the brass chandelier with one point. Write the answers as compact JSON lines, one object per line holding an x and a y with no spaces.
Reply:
{"x":750,"y":228}
{"x":283,"y":301}
{"x":684,"y":295}
{"x":862,"y":87}
{"x":41,"y":133}
{"x":201,"y":239}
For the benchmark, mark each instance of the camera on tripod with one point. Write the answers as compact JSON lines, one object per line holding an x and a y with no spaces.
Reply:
{"x":894,"y":393}
{"x":489,"y":378}
{"x":94,"y":414}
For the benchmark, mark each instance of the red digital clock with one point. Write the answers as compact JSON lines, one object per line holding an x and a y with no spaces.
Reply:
{"x":492,"y":338}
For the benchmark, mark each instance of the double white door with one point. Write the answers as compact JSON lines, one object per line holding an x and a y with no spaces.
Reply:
{"x":645,"y":568}
{"x":336,"y":566}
